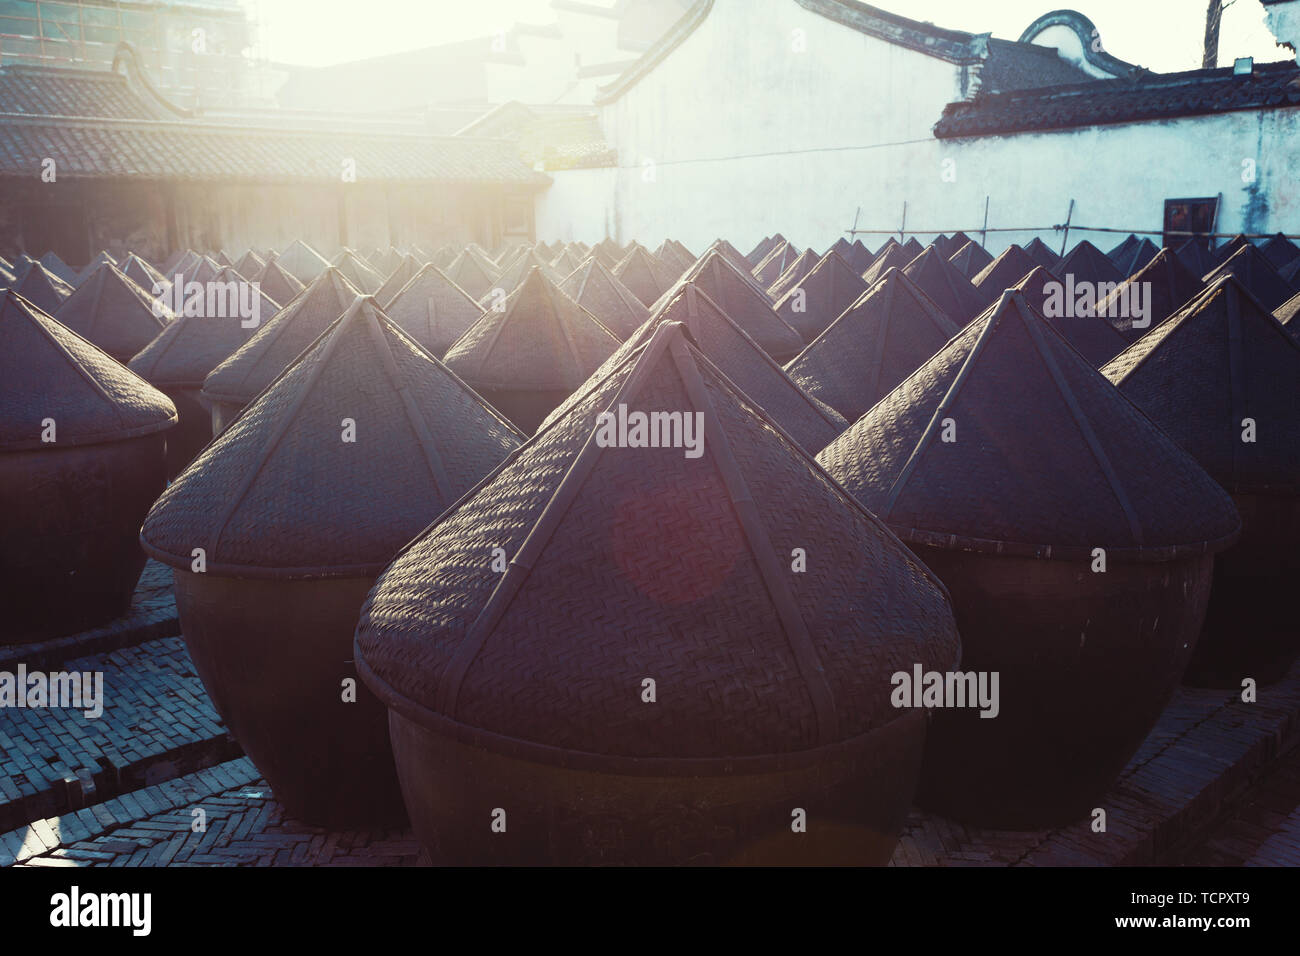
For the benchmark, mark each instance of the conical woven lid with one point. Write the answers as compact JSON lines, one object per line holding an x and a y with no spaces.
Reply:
{"x":1196,"y":257}
{"x":1205,"y":370}
{"x":1125,"y":248}
{"x":842,"y":248}
{"x":190,"y":347}
{"x":405,"y":271}
{"x":21,"y":264}
{"x":515,"y":273}
{"x":628,"y":562}
{"x":282,"y":493}
{"x":360,"y":274}
{"x":469,"y":272}
{"x":565,"y":262}
{"x":250,"y":264}
{"x":684,"y":252}
{"x":541,"y":341}
{"x":58,"y":267}
{"x":912,"y":248}
{"x":644,"y":276}
{"x":732,"y":255}
{"x":1004,"y":272}
{"x":793,"y":274}
{"x":859,"y":257}
{"x":178,"y":263}
{"x":774,"y":264}
{"x":880,"y":339}
{"x":1280,"y":250}
{"x":302,"y":261}
{"x":970,"y":259}
{"x":47,"y":372}
{"x":280,"y":340}
{"x":760,"y":250}
{"x":113,"y":313}
{"x":7,"y":278}
{"x":669,"y":255}
{"x":100,"y":258}
{"x":266,"y":306}
{"x":1135,"y":257}
{"x":1038,"y":250}
{"x":809,"y":422}
{"x":891,"y":257}
{"x":1093,"y":336}
{"x":150,"y":280}
{"x":1170,"y":285}
{"x":42,"y":288}
{"x":943,"y":244}
{"x":387,"y":261}
{"x":1087,"y":263}
{"x":279,"y":284}
{"x":1257,"y":274}
{"x":1286,"y":314}
{"x":433,"y":310}
{"x":596,"y":289}
{"x":1225,"y":251}
{"x":204,"y":269}
{"x":747,"y":305}
{"x":829,"y":288}
{"x":1043,"y":456}
{"x":951,"y":291}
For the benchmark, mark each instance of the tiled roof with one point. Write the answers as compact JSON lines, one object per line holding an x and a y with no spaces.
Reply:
{"x":95,"y":125}
{"x":54,"y":91}
{"x":1005,"y":62}
{"x":1146,"y":96}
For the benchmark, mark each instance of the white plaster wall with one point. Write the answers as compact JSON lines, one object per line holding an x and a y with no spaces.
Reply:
{"x":577,"y":206}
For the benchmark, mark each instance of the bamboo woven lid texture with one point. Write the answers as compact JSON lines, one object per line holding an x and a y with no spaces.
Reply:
{"x":811,"y":423}
{"x":279,"y":284}
{"x":877,"y":342}
{"x":819,"y":297}
{"x":112,"y":312}
{"x":632,"y":562}
{"x":282,"y":493}
{"x":748,"y":306}
{"x":48,"y":372}
{"x":1037,"y":250}
{"x":1201,"y":374}
{"x":43,"y":288}
{"x":597,"y":290}
{"x":946,"y":286}
{"x":970,"y":259}
{"x":1257,"y":274}
{"x":1012,"y":265}
{"x":433,"y":310}
{"x":302,"y":261}
{"x":1008,"y":441}
{"x":1095,"y":338}
{"x":280,"y":339}
{"x":1171,"y":285}
{"x":645,"y":276}
{"x":541,"y":340}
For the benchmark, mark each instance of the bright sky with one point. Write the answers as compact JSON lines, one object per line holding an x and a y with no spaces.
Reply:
{"x":1162,"y":35}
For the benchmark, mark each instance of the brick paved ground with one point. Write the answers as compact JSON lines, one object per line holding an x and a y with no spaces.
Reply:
{"x":242,"y":826}
{"x":122,"y":790}
{"x":1205,"y":749}
{"x":1263,"y":829}
{"x":152,"y":615}
{"x":156,"y":717}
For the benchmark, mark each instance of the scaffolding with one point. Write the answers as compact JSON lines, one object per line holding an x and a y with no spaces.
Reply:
{"x":194,"y":49}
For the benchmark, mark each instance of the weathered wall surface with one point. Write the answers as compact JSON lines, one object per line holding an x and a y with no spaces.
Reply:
{"x":742,"y":131}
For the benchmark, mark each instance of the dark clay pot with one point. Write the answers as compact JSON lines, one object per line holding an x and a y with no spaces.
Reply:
{"x":193,"y":429}
{"x":855,"y":796}
{"x":70,"y":552}
{"x":221,"y":415}
{"x":525,"y":410}
{"x":1087,"y":662}
{"x":1251,"y":628}
{"x":273,"y":655}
